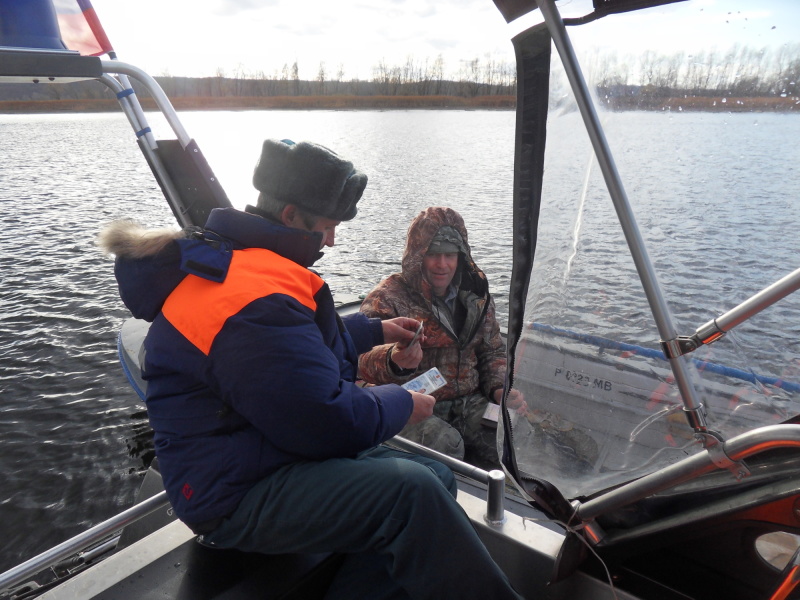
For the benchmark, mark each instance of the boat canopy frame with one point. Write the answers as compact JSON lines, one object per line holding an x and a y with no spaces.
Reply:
{"x":533,"y":49}
{"x":514,"y":9}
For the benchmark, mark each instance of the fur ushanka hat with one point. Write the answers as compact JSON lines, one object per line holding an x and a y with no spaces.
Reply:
{"x":310,"y":177}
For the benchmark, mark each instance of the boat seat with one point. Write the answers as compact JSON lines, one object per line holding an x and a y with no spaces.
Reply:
{"x":184,"y":568}
{"x":196,"y":572}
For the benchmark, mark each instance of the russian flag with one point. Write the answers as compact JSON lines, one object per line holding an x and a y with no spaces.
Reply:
{"x":80,"y":28}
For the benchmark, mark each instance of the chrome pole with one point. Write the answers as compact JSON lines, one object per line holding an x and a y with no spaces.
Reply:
{"x":495,"y":479}
{"x":127,"y":108}
{"x":31,"y":567}
{"x":138,"y":122}
{"x":115,"y":66}
{"x":716,"y":328}
{"x":736,"y":449}
{"x":658,"y":306}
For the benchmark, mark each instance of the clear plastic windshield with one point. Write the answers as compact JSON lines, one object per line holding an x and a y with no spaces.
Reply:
{"x":705,"y":140}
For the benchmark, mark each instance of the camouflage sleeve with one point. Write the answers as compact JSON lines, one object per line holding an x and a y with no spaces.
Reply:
{"x":491,"y":354}
{"x":373,"y":366}
{"x":378,"y":303}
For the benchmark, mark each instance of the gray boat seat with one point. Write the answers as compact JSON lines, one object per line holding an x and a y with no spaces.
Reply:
{"x":181,"y":567}
{"x":195,"y":572}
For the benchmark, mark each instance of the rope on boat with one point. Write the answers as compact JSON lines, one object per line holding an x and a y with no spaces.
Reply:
{"x":703,"y":365}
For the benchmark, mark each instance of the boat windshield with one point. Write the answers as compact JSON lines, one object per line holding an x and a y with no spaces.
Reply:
{"x":701,"y":110}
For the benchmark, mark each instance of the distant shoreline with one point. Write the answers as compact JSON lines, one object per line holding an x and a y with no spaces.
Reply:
{"x":271,"y":103}
{"x":500,"y":102}
{"x":706,"y":103}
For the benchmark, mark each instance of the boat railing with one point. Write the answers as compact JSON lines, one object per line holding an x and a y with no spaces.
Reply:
{"x":23,"y":572}
{"x":728,"y":454}
{"x":723,"y":455}
{"x":155,"y":90}
{"x":495,"y":516}
{"x":494,"y":479}
{"x":187,"y":181}
{"x":714,"y":329}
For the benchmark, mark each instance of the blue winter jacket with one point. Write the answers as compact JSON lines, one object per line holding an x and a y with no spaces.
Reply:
{"x":248,"y":366}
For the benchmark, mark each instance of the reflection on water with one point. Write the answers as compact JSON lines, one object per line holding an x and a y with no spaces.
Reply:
{"x":67,"y":411}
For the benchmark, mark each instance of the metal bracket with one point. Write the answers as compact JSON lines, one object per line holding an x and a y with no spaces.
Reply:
{"x":684,"y":344}
{"x":679,"y":346}
{"x":696,"y":417}
{"x":713,"y":443}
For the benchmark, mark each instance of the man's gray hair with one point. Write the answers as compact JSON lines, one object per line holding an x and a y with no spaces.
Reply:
{"x":274,"y":208}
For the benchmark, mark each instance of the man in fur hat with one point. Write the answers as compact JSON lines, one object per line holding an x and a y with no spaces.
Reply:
{"x":264,"y":441}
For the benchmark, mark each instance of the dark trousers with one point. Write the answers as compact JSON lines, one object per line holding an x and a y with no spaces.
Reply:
{"x":392,"y":514}
{"x":457,"y":429}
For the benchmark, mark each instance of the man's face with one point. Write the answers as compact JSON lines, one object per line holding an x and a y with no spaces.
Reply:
{"x":293,"y":217}
{"x":327,"y":227}
{"x":439,"y":270}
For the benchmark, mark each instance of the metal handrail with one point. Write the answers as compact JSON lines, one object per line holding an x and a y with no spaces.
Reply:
{"x":714,"y":329}
{"x":495,"y":514}
{"x":735,"y":449}
{"x":494,"y":479}
{"x":133,"y":111}
{"x":163,"y":103}
{"x":31,"y":567}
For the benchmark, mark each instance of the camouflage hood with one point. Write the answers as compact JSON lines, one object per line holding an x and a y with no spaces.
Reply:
{"x":471,"y":359}
{"x":449,"y":226}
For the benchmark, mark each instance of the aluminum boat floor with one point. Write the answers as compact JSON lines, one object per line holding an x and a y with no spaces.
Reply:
{"x":170,"y":563}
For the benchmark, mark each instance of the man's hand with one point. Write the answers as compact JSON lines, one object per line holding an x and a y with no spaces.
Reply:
{"x":515,"y":400}
{"x":423,"y":407}
{"x":400,"y":330}
{"x":408,"y":357}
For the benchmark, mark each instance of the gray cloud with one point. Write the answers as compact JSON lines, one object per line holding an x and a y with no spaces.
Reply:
{"x":229,"y":8}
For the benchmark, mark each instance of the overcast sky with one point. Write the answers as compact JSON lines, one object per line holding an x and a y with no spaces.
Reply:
{"x":200,"y":37}
{"x":197,"y":37}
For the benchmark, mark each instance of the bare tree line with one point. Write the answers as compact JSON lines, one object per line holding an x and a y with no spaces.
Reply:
{"x":740,"y":71}
{"x":427,"y":77}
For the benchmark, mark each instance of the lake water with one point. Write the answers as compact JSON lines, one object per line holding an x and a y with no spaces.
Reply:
{"x":72,"y":431}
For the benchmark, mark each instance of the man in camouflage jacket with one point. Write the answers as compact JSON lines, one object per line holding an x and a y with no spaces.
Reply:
{"x":442,"y":286}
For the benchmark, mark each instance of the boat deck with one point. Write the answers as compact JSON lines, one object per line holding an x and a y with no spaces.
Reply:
{"x":171,"y":563}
